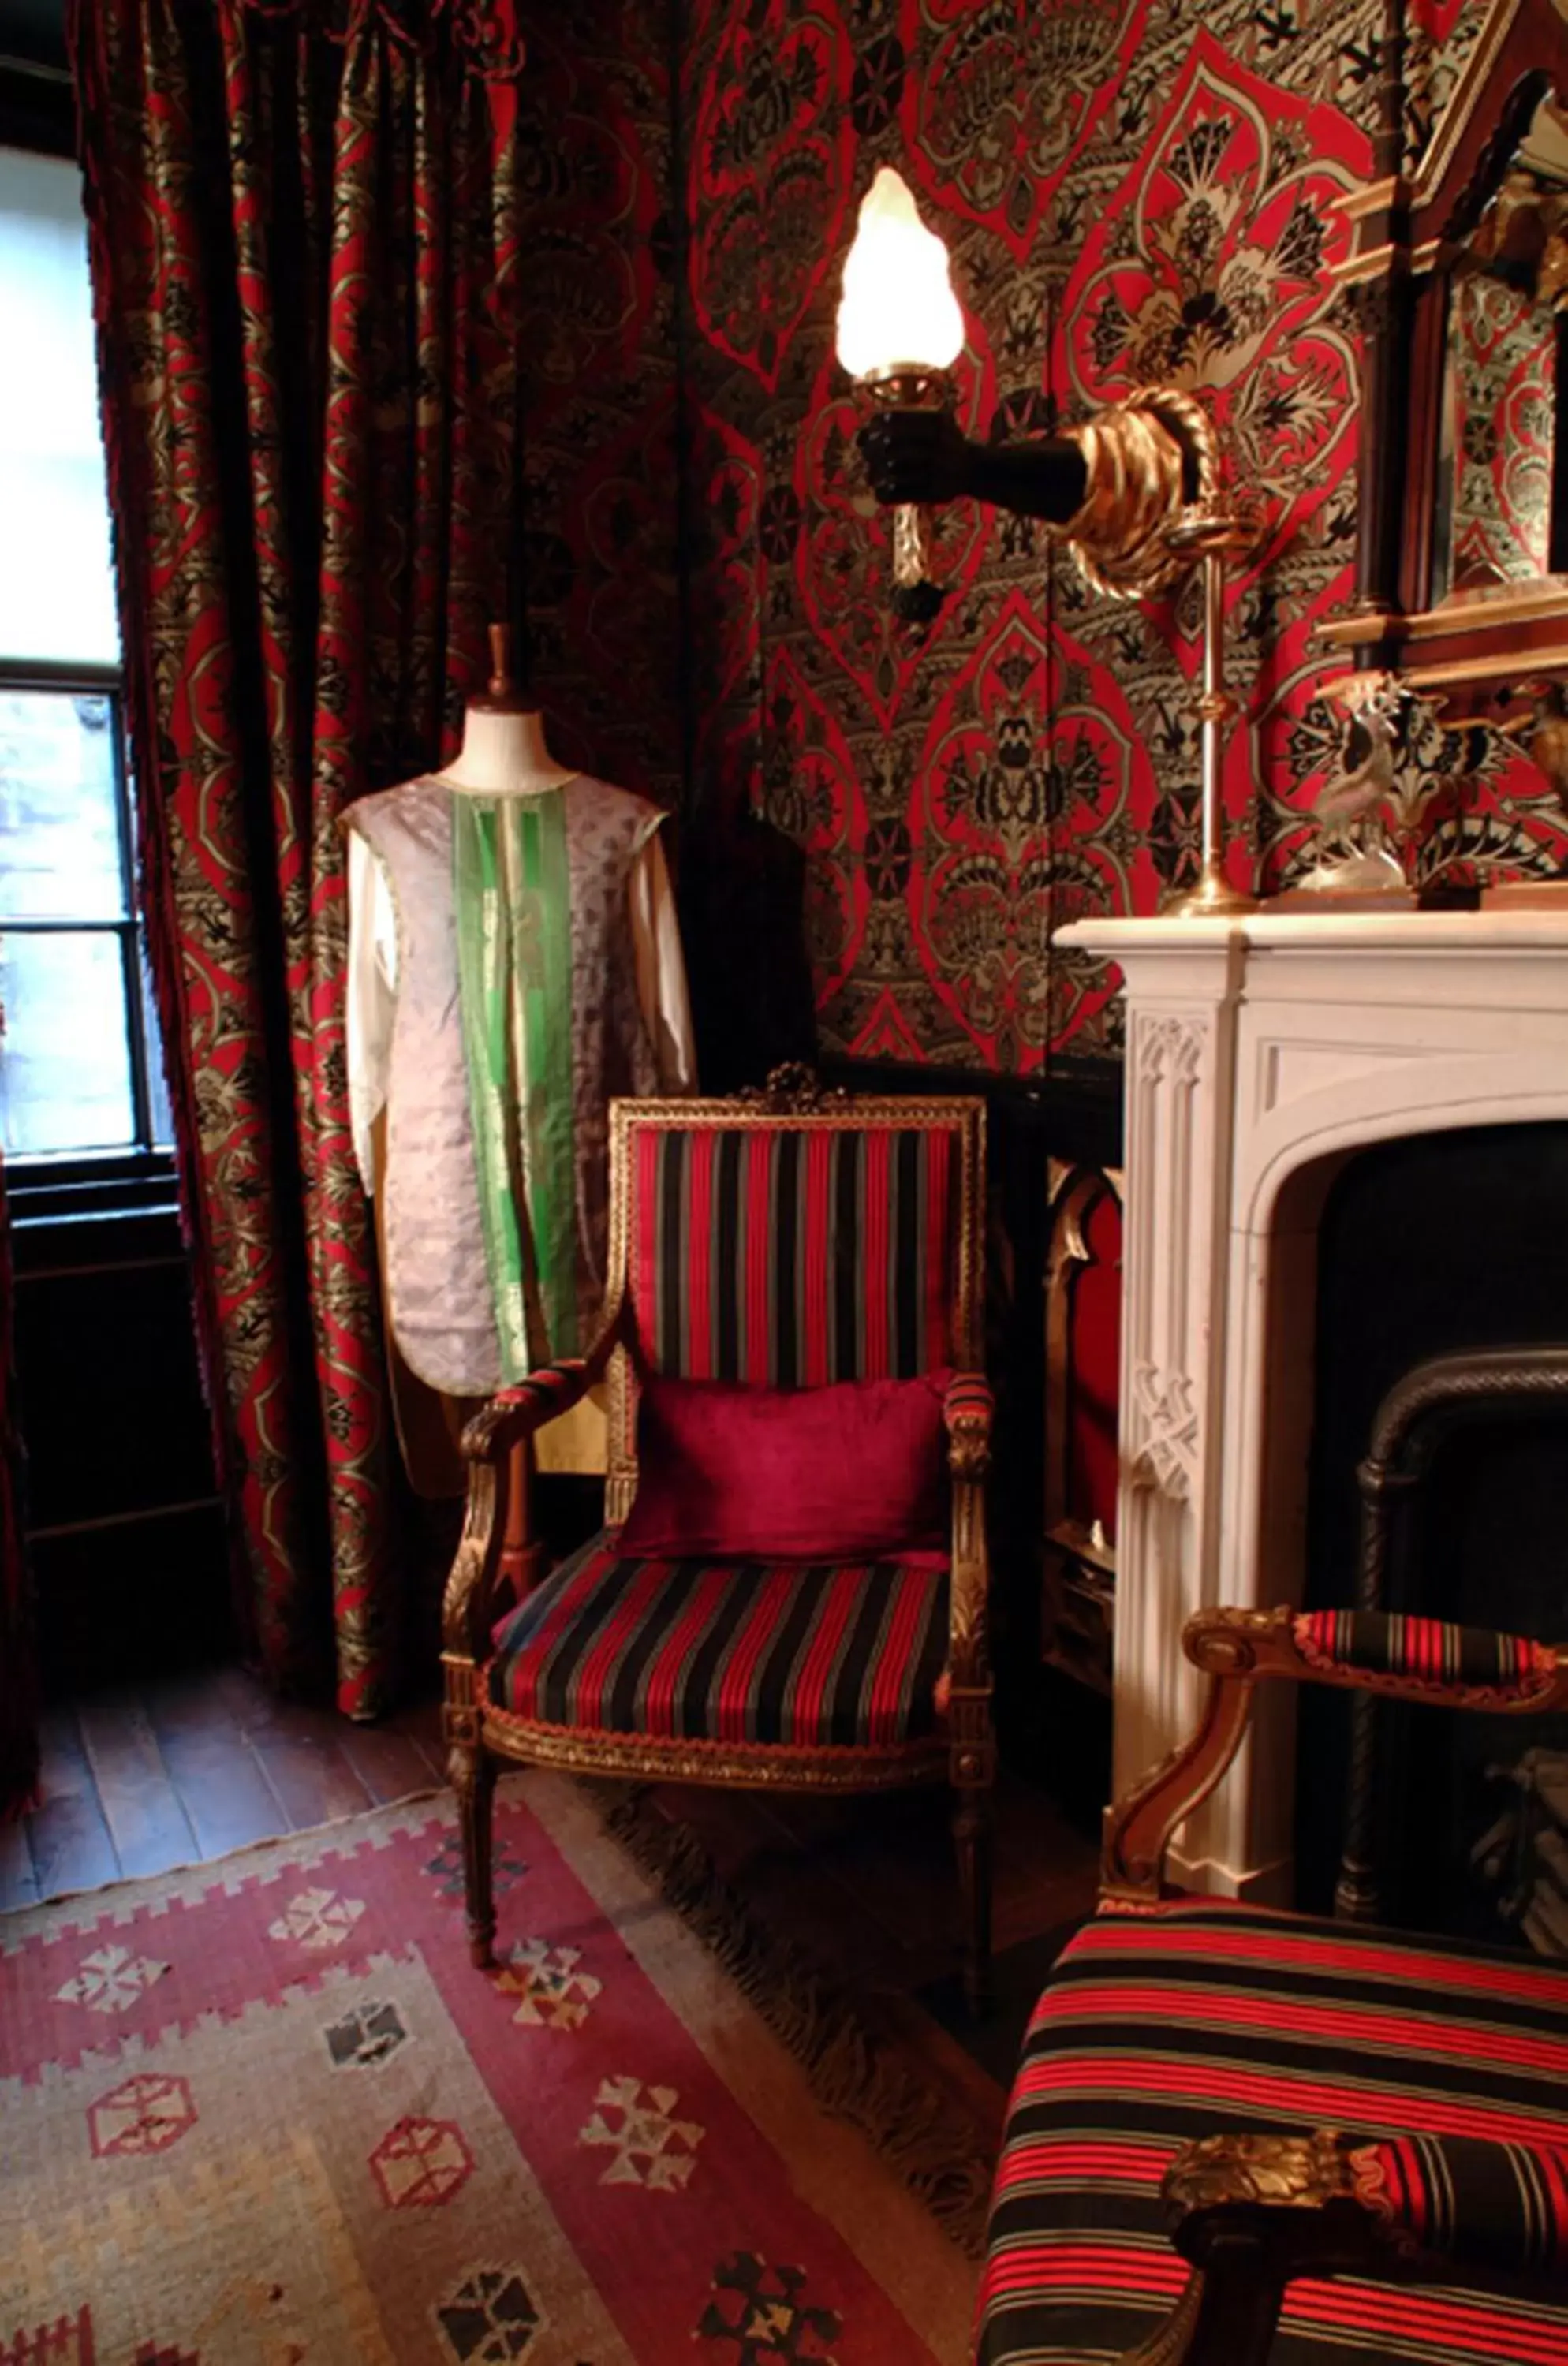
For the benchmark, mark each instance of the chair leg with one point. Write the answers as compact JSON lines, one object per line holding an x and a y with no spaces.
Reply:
{"x":472,"y":1770}
{"x":972,"y":1833}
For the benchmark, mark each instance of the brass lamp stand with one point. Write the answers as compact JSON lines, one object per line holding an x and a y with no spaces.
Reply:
{"x":1213,"y":533}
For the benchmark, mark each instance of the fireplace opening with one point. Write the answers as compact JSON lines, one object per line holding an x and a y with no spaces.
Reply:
{"x":1438,"y":1246}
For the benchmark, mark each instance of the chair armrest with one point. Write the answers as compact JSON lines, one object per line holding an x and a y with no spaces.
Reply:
{"x":1466,"y":1667}
{"x":1471,"y":2202}
{"x":490,"y":1441}
{"x":517,"y":1411}
{"x":1403,"y":1659}
{"x":1250,"y":2214}
{"x":968,"y":1409}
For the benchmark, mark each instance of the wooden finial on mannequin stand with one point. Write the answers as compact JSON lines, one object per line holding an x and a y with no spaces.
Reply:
{"x":501,"y":694}
{"x":504,"y":747}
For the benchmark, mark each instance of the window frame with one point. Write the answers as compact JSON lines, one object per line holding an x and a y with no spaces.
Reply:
{"x":142,"y":1160}
{"x":38,"y":113}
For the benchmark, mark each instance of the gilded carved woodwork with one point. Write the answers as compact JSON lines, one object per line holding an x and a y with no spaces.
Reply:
{"x":1290,"y":2173}
{"x":753,"y":1767}
{"x":792,"y":1089}
{"x":1466,"y":604}
{"x":969,"y":1448}
{"x":471,"y":1583}
{"x":969,"y":1462}
{"x":1236,"y":1649}
{"x":1249,"y":2213}
{"x":496,"y":1448}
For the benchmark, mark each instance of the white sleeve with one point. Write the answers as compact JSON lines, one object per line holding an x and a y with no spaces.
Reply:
{"x":661,"y":969}
{"x":371,"y":998}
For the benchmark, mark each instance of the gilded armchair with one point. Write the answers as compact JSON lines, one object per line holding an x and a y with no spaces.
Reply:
{"x":1238,"y":2135}
{"x":770,"y":1251}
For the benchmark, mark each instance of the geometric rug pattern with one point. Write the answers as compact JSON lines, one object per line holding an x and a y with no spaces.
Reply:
{"x":264,"y":2113}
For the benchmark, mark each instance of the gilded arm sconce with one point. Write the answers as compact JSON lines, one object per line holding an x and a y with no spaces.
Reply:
{"x":1133,"y":491}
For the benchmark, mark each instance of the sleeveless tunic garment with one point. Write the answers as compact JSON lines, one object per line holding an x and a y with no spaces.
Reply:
{"x":518,"y":1021}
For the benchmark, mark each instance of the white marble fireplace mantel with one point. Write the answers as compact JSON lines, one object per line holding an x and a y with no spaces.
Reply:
{"x":1262,"y":1052}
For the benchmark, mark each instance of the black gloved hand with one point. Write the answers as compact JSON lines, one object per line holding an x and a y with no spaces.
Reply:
{"x":916,"y":455}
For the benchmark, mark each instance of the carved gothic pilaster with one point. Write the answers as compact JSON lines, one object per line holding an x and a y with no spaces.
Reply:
{"x":1160,"y":1435}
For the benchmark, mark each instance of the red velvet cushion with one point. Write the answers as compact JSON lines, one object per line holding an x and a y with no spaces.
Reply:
{"x":854,"y":1471}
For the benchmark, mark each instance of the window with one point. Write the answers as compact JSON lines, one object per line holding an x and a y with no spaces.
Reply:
{"x":81,"y":1070}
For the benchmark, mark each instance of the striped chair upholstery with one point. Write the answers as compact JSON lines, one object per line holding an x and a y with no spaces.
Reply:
{"x":1427,"y":1650}
{"x":1489,"y":2204}
{"x":784,"y":1240}
{"x":1202,"y":2018}
{"x":796,"y":1658}
{"x":793,"y":1256}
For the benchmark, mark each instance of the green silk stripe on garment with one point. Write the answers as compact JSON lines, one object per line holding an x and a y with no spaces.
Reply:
{"x":511,"y":901}
{"x":483,"y":964}
{"x":542,"y":960}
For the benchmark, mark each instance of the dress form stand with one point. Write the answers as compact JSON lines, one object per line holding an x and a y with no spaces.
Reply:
{"x":504,"y":754}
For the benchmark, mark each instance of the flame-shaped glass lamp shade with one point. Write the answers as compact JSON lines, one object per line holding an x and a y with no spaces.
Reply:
{"x":899,"y":311}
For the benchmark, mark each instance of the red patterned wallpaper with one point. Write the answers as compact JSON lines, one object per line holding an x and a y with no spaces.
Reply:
{"x":1131,"y":189}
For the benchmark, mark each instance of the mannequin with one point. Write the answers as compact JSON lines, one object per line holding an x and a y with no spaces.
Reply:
{"x":515,"y":959}
{"x":503,"y":748}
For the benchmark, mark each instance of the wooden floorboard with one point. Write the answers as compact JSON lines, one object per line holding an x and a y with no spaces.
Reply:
{"x":421,"y":1724}
{"x":311,"y":1774}
{"x":391,"y":1766}
{"x":147,"y":1821}
{"x":246,"y":1704}
{"x":18,"y":1882}
{"x":66,"y":1832}
{"x":221,"y":1782}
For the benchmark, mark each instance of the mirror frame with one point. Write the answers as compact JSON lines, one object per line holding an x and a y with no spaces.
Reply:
{"x":1478,"y":652}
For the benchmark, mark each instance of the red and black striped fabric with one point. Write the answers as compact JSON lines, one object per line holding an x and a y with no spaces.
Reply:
{"x":1481,"y":2204}
{"x":802,"y":1656}
{"x":1210,"y":2019}
{"x":968,"y":1398}
{"x":549,"y":1391}
{"x":1425,"y":1651}
{"x":789,"y":1257}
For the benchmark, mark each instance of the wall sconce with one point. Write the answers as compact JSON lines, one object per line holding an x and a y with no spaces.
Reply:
{"x":900,"y":331}
{"x":1133,"y":491}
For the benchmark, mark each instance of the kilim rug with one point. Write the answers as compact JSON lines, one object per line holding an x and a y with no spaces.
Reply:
{"x":262,"y":2113}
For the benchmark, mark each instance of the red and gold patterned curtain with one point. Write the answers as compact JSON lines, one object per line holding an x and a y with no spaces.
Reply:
{"x":303,"y":222}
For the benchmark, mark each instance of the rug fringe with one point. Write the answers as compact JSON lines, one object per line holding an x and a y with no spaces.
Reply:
{"x":934,"y":2149}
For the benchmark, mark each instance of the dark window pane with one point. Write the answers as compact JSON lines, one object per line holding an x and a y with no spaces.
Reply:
{"x":65,"y":1054}
{"x":60,"y":845}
